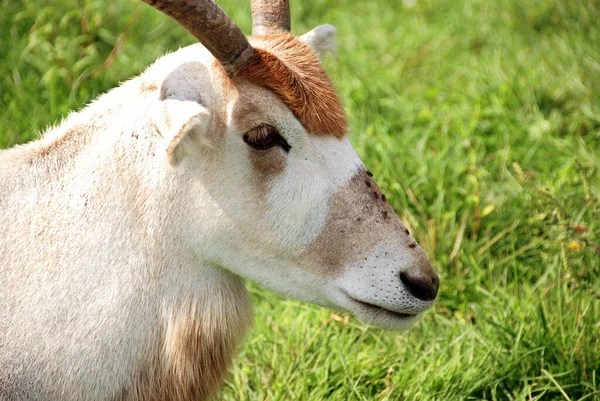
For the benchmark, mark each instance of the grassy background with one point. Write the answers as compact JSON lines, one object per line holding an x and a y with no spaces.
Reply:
{"x":480,"y":120}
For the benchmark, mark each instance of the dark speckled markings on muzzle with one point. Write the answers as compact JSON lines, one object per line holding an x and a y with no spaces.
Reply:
{"x":378,"y":267}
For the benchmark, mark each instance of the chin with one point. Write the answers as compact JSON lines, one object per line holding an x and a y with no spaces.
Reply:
{"x":388,"y":320}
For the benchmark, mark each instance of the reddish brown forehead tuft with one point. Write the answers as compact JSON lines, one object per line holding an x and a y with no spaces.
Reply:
{"x":292,"y":70}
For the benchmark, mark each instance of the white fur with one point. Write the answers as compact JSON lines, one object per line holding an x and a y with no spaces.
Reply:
{"x":150,"y":200}
{"x":322,"y":40}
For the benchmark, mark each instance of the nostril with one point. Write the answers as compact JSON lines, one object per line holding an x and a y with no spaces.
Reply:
{"x":423,"y":288}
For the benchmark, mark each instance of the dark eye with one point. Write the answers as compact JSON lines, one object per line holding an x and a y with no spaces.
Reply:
{"x":265,"y":137}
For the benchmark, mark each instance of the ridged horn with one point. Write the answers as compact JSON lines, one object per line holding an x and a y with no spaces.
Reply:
{"x":213,"y":28}
{"x":270,"y":16}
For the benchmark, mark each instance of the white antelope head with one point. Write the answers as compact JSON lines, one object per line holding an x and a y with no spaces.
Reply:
{"x":270,"y":186}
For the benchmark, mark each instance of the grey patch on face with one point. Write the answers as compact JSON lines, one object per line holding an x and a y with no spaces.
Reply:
{"x":267,"y":162}
{"x":267,"y":165}
{"x":359,"y":218}
{"x":247,"y":114}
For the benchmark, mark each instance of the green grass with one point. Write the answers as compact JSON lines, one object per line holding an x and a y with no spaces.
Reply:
{"x":481,"y":122}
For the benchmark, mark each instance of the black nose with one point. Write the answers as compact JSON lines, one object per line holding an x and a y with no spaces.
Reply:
{"x":424,"y":288}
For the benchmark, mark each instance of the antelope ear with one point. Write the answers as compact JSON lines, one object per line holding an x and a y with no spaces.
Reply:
{"x":321,"y":39}
{"x":184,"y":125}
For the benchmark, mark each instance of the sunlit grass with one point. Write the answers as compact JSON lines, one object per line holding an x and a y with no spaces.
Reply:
{"x":481,"y":122}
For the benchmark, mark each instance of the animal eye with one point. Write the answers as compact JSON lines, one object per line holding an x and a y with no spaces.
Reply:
{"x":265,"y":137}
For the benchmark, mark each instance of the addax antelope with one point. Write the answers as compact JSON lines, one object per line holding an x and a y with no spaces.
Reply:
{"x":126,"y":231}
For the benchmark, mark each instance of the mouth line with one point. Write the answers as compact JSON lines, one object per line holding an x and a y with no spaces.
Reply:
{"x":379,"y":309}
